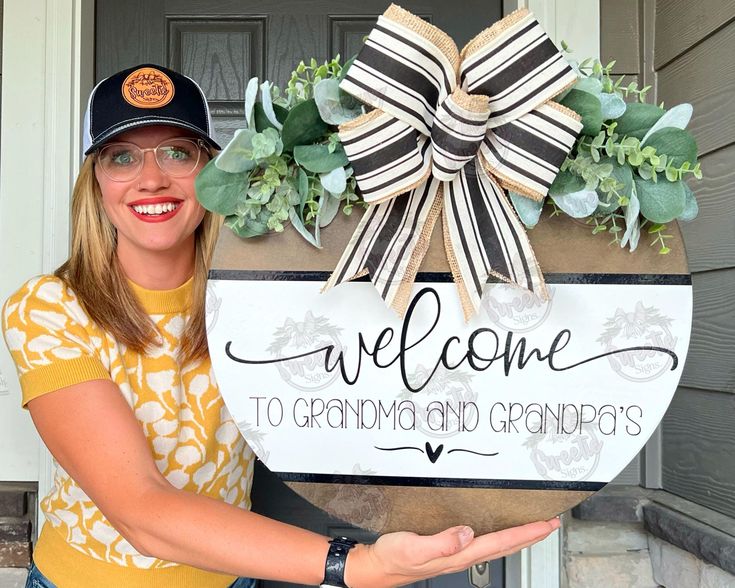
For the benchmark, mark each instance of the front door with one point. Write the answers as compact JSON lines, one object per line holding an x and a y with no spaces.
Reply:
{"x":222,"y":44}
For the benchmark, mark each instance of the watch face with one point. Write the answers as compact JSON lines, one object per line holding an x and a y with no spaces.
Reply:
{"x":426,"y":421}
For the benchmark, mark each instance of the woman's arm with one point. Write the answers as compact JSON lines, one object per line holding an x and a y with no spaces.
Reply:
{"x":92,"y":432}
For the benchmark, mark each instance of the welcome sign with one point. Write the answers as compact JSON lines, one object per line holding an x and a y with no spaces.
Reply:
{"x":336,"y":390}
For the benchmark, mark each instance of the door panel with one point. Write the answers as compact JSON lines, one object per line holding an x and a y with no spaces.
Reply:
{"x":222,"y":44}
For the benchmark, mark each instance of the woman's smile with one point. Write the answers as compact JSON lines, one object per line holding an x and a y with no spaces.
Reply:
{"x":156,"y":210}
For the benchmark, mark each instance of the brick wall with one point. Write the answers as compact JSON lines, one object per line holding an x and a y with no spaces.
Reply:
{"x":17,"y":511}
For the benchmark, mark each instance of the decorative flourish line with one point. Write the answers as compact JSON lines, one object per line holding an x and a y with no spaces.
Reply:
{"x":434,"y":453}
{"x":475,"y":452}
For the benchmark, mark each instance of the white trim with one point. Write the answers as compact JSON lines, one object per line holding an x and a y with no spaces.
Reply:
{"x":48,"y":52}
{"x":21,"y":207}
{"x":577,"y":22}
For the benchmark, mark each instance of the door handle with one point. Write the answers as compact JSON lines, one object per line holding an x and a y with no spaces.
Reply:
{"x":479,"y":575}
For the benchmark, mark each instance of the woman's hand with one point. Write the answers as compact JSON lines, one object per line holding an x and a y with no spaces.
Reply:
{"x":397,"y":559}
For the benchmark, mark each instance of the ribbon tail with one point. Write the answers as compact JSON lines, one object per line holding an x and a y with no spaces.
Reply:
{"x":389,"y":244}
{"x":483,"y":238}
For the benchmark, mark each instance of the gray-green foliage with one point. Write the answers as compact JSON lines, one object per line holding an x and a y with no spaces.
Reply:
{"x":632,"y":156}
{"x":287,"y":163}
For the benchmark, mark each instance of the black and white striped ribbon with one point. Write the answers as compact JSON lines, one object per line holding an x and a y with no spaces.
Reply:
{"x":457,"y":134}
{"x":486,"y":237}
{"x":385,"y":238}
{"x":518,"y":68}
{"x":448,"y":146}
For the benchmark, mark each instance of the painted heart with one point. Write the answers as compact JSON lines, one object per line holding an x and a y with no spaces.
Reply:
{"x":432,"y":453}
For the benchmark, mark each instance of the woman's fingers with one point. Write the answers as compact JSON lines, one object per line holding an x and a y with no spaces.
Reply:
{"x":402,"y":558}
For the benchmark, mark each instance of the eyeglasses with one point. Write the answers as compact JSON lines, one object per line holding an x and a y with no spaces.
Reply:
{"x":178,"y":158}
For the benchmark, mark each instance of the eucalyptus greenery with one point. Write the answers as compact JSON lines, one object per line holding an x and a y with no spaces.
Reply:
{"x":626,"y":172}
{"x":287,"y":163}
{"x":627,"y":169}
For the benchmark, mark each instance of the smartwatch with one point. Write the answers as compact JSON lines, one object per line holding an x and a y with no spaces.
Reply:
{"x":334,"y":566}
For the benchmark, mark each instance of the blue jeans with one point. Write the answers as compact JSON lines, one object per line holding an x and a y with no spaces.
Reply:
{"x":37,"y":580}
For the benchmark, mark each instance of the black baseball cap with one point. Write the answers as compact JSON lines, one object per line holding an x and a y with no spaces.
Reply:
{"x":145,"y":95}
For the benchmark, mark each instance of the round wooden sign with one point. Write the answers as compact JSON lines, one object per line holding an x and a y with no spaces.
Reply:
{"x":426,"y":421}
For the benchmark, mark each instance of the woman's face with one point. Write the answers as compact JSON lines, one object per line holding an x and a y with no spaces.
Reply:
{"x":152,"y":212}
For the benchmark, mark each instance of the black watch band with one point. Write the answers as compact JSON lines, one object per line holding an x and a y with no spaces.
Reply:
{"x":334,"y":566}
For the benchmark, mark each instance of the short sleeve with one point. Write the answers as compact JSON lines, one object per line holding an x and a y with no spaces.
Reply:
{"x":51,"y":338}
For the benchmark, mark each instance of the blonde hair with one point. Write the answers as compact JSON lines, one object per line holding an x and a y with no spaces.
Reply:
{"x":94,"y":273}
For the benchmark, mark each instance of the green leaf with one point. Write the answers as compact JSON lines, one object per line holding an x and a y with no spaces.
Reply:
{"x":251,"y":95}
{"x":246,"y":227}
{"x":303,"y":126}
{"x":566,"y":182}
{"x":691,"y":208}
{"x":261,"y":118}
{"x":528,"y":209}
{"x":638,"y":118}
{"x":220,"y":191}
{"x":267,"y":101}
{"x":588,"y":107}
{"x":346,"y":67}
{"x":677,"y":144}
{"x":335,"y":181}
{"x":236,"y":157}
{"x":318,"y":159}
{"x":578,"y":204}
{"x":329,"y":209}
{"x":303,"y":186}
{"x":635,"y":158}
{"x":645,"y":171}
{"x":335,"y":106}
{"x":303,"y":231}
{"x":590,"y":85}
{"x":266,"y":144}
{"x":678,"y":118}
{"x":632,"y":222}
{"x":624,"y":175}
{"x":660,"y":202}
{"x":613,"y":106}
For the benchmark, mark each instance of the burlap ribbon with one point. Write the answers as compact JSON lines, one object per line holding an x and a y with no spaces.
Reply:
{"x":448,"y":130}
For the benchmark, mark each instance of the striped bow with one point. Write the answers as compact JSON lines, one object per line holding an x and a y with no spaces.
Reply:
{"x":447,"y":131}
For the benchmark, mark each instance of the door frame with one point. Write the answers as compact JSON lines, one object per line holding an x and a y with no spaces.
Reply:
{"x":48,"y":70}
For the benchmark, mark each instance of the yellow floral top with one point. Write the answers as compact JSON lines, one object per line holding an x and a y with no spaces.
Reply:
{"x":192,"y":437}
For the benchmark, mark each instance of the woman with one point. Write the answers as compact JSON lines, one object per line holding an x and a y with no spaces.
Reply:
{"x":112,"y":358}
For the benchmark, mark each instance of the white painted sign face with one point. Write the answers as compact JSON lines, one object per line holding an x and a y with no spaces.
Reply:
{"x":336,"y":387}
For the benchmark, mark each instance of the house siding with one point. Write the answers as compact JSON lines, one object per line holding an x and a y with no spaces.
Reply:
{"x":693,"y":47}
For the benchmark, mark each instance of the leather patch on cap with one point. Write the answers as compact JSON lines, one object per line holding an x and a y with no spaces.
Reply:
{"x":148,"y":87}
